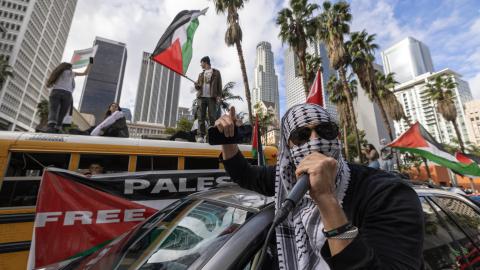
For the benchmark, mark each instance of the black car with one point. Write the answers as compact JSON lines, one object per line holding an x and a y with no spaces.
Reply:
{"x":224,"y":228}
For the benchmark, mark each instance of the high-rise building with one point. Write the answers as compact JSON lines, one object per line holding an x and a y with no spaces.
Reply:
{"x":265,"y":85}
{"x":128,"y":114}
{"x":294,"y":83}
{"x":103,"y":84}
{"x":184,"y":112}
{"x":472,"y":119}
{"x":157,"y":95}
{"x":33,"y":42}
{"x":418,"y":107}
{"x":408,"y":59}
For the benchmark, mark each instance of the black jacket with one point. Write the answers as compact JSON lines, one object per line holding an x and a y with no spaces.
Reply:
{"x":386,"y":210}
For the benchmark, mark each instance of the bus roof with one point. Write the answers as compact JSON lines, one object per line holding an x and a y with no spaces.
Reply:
{"x":84,"y":139}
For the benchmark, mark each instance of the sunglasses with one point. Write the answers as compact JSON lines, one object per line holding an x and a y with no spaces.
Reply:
{"x":326,"y":130}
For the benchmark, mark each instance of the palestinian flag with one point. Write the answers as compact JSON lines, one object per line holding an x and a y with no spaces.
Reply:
{"x":257,"y":151}
{"x":418,"y":141}
{"x":81,"y":58}
{"x":174,"y":49}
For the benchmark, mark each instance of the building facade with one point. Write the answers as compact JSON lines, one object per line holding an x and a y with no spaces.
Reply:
{"x":103,"y":84}
{"x":265,"y":85}
{"x":157,"y":95}
{"x":472,"y":119}
{"x":139,"y":130}
{"x":418,"y":107}
{"x":293,"y":81}
{"x":33,"y":44}
{"x":184,"y":112}
{"x":408,"y":59}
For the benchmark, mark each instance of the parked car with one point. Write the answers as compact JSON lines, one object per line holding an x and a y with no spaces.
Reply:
{"x":224,"y":228}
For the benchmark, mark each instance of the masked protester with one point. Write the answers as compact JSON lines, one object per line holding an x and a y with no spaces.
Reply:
{"x":351,"y":218}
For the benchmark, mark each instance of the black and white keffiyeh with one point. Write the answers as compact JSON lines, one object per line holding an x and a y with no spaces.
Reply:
{"x":300,"y":237}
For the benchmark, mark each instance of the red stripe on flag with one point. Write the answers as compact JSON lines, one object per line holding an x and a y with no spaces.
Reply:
{"x":412,"y":138}
{"x":171,"y":57}
{"x":463,"y":159}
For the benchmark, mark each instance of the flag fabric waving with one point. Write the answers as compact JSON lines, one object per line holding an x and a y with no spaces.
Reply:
{"x":174,"y":49}
{"x":315,"y":96}
{"x":418,"y":141}
{"x":81,"y":58}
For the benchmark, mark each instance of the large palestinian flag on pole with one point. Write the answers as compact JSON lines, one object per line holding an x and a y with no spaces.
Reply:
{"x":418,"y":141}
{"x":174,"y":49}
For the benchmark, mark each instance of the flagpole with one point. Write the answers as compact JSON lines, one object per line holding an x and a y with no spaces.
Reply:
{"x":187,"y":78}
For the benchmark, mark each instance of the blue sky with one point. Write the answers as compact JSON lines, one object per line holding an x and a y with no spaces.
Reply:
{"x":450,"y":28}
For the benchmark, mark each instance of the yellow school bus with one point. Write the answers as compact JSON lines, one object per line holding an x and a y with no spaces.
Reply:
{"x":23,"y":156}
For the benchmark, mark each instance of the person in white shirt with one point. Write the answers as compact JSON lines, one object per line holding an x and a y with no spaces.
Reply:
{"x":114,"y":125}
{"x":209,"y":94}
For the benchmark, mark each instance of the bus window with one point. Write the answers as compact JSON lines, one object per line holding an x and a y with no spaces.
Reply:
{"x":15,"y":192}
{"x":32,"y":164}
{"x":200,"y":163}
{"x":110,"y":163}
{"x":156,"y":163}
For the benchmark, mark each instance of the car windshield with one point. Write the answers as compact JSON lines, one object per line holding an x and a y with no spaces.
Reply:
{"x":187,"y":236}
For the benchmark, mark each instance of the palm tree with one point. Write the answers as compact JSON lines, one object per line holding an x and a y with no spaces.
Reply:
{"x":5,"y":71}
{"x":266,"y":119}
{"x":314,"y":63}
{"x":233,"y":37}
{"x":333,"y":23}
{"x":441,"y":92}
{"x":393,"y":107}
{"x":337,"y":97}
{"x":227,"y":96}
{"x":42,"y":112}
{"x":297,"y":29}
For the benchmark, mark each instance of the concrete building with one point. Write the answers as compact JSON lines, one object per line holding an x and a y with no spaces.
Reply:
{"x":369,"y":118}
{"x":103,"y":85}
{"x":184,"y":112}
{"x":157,"y":95}
{"x":472,"y":119}
{"x":273,"y":130}
{"x":418,"y":107}
{"x":408,"y":59}
{"x":265,"y":84}
{"x":293,"y":81}
{"x":140,"y":129}
{"x":33,"y":43}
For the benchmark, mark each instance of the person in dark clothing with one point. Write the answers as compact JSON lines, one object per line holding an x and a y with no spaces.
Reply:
{"x":114,"y":125}
{"x":351,"y":218}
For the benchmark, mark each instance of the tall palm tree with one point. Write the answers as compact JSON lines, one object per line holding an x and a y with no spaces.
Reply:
{"x":266,"y":119}
{"x":393,"y":107}
{"x":332,"y":25}
{"x":227,"y":96}
{"x":314,"y":63}
{"x":297,"y":29}
{"x":441,"y":91}
{"x":5,"y":71}
{"x":233,"y":37}
{"x":337,"y":97}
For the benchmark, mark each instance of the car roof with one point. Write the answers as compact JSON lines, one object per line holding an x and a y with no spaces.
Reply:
{"x":234,"y":195}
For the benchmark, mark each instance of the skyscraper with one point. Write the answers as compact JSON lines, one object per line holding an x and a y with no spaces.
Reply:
{"x":472,"y":117}
{"x":103,"y":85}
{"x":265,"y":86}
{"x":293,"y":81}
{"x":408,"y":59}
{"x":33,"y":44}
{"x":418,"y":106}
{"x":157,"y":95}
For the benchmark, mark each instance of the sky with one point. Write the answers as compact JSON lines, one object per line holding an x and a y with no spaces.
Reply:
{"x":450,"y":28}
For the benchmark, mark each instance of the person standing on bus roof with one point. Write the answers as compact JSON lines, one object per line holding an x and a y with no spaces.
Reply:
{"x":209,"y":93}
{"x":62,"y":82}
